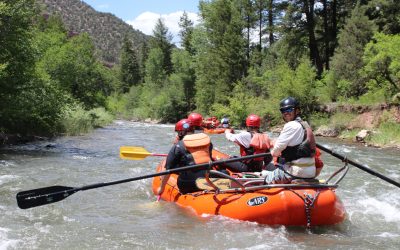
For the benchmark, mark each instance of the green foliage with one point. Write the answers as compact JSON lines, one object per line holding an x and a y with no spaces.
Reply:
{"x":318,"y":119}
{"x":385,"y":14}
{"x":388,"y":134}
{"x":155,"y":73}
{"x":340,"y":120}
{"x":74,"y":67}
{"x":29,"y":102}
{"x":76,"y":120}
{"x":382,"y":64}
{"x":186,"y":33}
{"x":162,"y":41}
{"x":184,"y":76}
{"x":299,"y":83}
{"x":347,"y":60}
{"x":129,"y":66}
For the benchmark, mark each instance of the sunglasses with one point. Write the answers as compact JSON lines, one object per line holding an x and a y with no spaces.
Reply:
{"x":287,"y":110}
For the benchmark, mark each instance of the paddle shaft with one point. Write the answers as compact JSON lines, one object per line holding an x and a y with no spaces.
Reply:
{"x":47,"y":195}
{"x":366,"y":169}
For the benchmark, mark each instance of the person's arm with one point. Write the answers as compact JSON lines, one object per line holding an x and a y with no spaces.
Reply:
{"x":288,"y":133}
{"x":229,"y":135}
{"x":171,"y":162}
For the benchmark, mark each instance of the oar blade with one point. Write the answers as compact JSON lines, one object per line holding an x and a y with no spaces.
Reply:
{"x":43,"y":196}
{"x":133,"y":153}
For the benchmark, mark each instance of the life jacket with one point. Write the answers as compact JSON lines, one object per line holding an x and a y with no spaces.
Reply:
{"x":319,"y":164}
{"x":259,"y":144}
{"x":305,"y":149}
{"x":197,"y":147}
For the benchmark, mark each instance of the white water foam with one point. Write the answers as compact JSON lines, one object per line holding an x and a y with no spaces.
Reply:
{"x":81,"y":157}
{"x":7,"y":178}
{"x":390,"y":210}
{"x":5,"y":163}
{"x":6,"y":243}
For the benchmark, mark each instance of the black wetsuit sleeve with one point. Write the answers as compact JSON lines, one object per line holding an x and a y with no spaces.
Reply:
{"x":173,"y":158}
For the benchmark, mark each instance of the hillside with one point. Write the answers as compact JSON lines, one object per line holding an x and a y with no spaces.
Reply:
{"x":106,"y":30}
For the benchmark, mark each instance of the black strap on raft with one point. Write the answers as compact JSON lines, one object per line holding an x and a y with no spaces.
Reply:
{"x":309,"y":201}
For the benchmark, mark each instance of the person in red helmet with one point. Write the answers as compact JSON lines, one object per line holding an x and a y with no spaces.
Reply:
{"x":191,"y":149}
{"x":196,"y":120}
{"x":250,"y":142}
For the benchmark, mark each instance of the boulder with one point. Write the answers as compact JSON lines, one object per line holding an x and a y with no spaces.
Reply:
{"x":326,"y":131}
{"x":362,"y":135}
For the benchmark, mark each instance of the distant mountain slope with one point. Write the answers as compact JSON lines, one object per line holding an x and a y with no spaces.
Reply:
{"x":106,"y":30}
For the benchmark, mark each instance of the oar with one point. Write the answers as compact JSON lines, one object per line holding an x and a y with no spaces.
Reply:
{"x":366,"y":169}
{"x":47,"y":195}
{"x":136,"y":153}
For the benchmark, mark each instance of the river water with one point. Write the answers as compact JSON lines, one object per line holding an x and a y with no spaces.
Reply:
{"x":126,"y":216}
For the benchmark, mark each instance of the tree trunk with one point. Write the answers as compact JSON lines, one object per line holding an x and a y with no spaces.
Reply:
{"x":271,"y":22}
{"x":326,"y":35}
{"x":312,"y":42}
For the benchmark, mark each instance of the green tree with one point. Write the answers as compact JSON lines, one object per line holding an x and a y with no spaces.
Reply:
{"x":347,"y":60}
{"x":382,"y":63}
{"x":184,"y":75}
{"x":221,"y":55}
{"x":75,"y":68}
{"x":129,"y":66}
{"x":186,"y":33}
{"x":162,"y":40}
{"x":155,"y":72}
{"x":385,"y":14}
{"x":29,"y":102}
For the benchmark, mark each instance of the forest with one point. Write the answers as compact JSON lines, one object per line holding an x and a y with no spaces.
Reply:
{"x":244,"y":57}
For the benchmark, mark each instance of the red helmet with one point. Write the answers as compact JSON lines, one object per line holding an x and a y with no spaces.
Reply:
{"x":196,"y":119}
{"x":253,"y":121}
{"x":183,"y":125}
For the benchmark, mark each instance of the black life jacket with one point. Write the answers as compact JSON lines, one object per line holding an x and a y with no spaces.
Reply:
{"x":305,"y":149}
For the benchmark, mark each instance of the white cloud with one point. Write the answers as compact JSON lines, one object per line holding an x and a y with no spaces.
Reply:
{"x":146,"y":21}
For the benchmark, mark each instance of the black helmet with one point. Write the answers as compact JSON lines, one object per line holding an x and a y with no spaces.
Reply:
{"x":289,"y":102}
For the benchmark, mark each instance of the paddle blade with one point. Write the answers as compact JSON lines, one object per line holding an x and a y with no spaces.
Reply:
{"x":43,"y":196}
{"x":133,"y":153}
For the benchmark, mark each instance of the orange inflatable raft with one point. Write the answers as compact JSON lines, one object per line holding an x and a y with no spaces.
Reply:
{"x":214,"y":130}
{"x":249,"y":199}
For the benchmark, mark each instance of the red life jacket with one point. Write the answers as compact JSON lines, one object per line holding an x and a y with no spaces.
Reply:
{"x":259,"y":144}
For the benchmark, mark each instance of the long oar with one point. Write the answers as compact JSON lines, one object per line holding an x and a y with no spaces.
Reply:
{"x":136,"y":153}
{"x":366,"y":169}
{"x":47,"y":195}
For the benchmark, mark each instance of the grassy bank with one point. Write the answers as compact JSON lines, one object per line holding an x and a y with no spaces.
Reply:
{"x":382,"y":125}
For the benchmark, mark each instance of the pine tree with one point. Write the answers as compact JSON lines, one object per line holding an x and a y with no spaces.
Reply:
{"x":186,"y":33}
{"x":347,"y":60}
{"x":162,"y":40}
{"x":129,"y":71}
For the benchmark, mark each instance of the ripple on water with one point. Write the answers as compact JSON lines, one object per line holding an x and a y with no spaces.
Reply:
{"x":4,"y":163}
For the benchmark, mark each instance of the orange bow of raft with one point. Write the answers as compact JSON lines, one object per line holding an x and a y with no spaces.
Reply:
{"x":214,"y":130}
{"x":290,"y":204}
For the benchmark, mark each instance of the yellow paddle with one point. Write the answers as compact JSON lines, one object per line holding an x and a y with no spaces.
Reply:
{"x":136,"y":153}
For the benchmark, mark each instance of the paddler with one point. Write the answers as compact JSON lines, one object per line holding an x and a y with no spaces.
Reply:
{"x":192,"y":149}
{"x":295,"y":147}
{"x":250,"y":142}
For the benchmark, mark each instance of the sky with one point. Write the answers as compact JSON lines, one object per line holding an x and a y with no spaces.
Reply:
{"x":143,"y":14}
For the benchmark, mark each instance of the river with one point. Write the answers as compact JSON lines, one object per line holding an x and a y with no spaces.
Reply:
{"x":126,"y":216}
